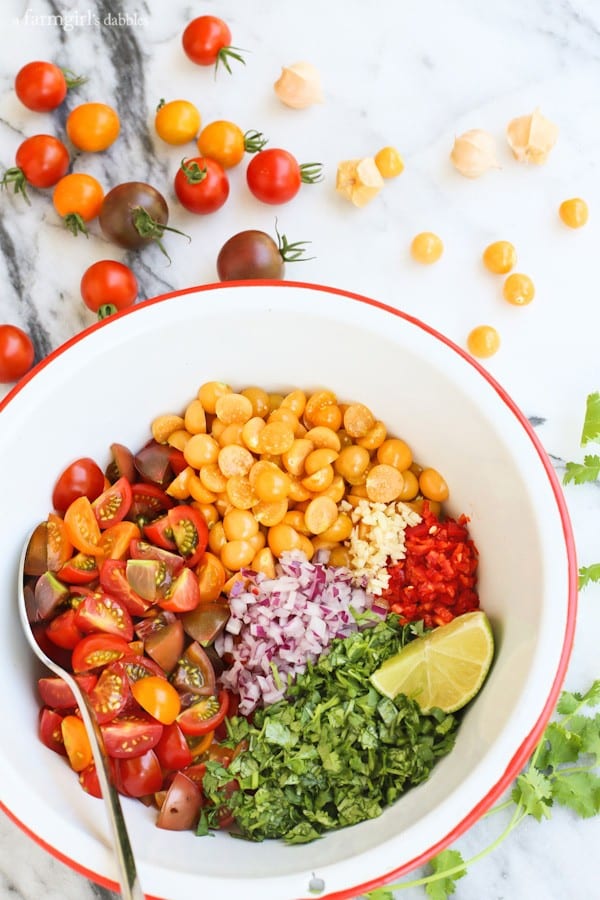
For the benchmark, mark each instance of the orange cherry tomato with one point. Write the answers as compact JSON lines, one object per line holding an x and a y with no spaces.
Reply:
{"x":226,"y":143}
{"x":177,"y":122}
{"x":115,"y":541}
{"x":77,"y":743}
{"x":93,"y":126}
{"x":78,"y":198}
{"x":211,"y":577}
{"x":158,"y":697}
{"x":82,"y":528}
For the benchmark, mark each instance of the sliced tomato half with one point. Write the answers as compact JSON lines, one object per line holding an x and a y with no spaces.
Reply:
{"x":59,"y":547}
{"x":139,"y":776}
{"x":148,"y":502}
{"x":138,"y":667}
{"x":50,"y":730}
{"x":113,"y":580}
{"x":160,"y":533}
{"x":115,"y":541}
{"x":172,"y":750}
{"x":57,"y":694}
{"x":64,"y":631}
{"x":129,"y":736}
{"x":82,"y":527}
{"x":111,"y":693}
{"x":204,"y":715}
{"x":190,"y":533}
{"x":104,"y":613}
{"x":80,"y":569}
{"x":183,"y":594}
{"x":144,"y":550}
{"x":113,"y":504}
{"x":97,"y":650}
{"x":181,"y":805}
{"x":89,"y":781}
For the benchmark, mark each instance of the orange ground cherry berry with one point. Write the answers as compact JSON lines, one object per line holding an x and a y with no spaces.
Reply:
{"x":426,"y":248}
{"x":574,"y":212}
{"x":389,"y":162}
{"x":518,"y":289}
{"x":500,"y":257}
{"x":483,"y":341}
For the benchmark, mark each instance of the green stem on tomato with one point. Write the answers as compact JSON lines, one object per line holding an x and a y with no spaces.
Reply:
{"x":16,"y":177}
{"x":254,"y":141}
{"x":227,"y":53}
{"x":147,"y":227}
{"x":75,"y":224}
{"x":193,"y":173}
{"x":73,"y":80}
{"x":291,"y":252}
{"x":311,"y":173}
{"x":106,"y":310}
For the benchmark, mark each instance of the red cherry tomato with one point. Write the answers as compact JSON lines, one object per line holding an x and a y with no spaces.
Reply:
{"x":201,"y":185}
{"x":108,"y":283}
{"x":97,"y":650}
{"x":183,"y":594}
{"x":41,"y":161}
{"x":274,"y":176}
{"x":139,"y":776}
{"x":190,"y":533}
{"x":57,"y":694}
{"x":204,"y":715}
{"x":80,"y":569}
{"x":113,"y":580}
{"x":207,"y":41}
{"x":148,"y":502}
{"x":64,"y":631}
{"x":16,"y":353}
{"x":129,"y":736}
{"x":111,"y":693}
{"x":50,"y":731}
{"x":82,"y":478}
{"x":101,"y":612}
{"x":172,"y":750}
{"x":42,"y":86}
{"x":113,"y":504}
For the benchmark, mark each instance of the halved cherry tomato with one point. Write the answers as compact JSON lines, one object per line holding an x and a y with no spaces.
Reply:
{"x":104,"y":613}
{"x":96,"y":650}
{"x":114,"y":581}
{"x":111,"y":693}
{"x":77,"y":743}
{"x":82,"y":478}
{"x":204,"y":715}
{"x":113,"y":504}
{"x":115,"y":541}
{"x":131,"y":736}
{"x":121,"y":464}
{"x":183,"y":594}
{"x":165,"y":645}
{"x":64,"y":631}
{"x":58,"y":654}
{"x":200,"y":745}
{"x":57,"y":694}
{"x":172,"y":750}
{"x":144,"y":550}
{"x":59,"y":548}
{"x":140,"y":775}
{"x":195,"y":772}
{"x":82,"y":527}
{"x":190,"y":533}
{"x":153,"y":463}
{"x":50,"y":731}
{"x":181,"y":806}
{"x":148,"y":502}
{"x":80,"y":569}
{"x":138,"y":667}
{"x":158,"y":698}
{"x":211,"y":577}
{"x":160,"y":533}
{"x":89,"y":781}
{"x":194,"y":672}
{"x":177,"y":461}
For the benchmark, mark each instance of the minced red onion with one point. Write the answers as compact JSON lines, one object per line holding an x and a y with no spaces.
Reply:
{"x":279,"y":624}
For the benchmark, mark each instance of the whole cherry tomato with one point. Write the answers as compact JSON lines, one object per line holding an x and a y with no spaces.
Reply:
{"x":16,"y":353}
{"x":78,"y":198}
{"x":207,"y":41}
{"x":42,"y":86}
{"x":93,"y":126}
{"x":254,"y":254}
{"x":82,"y":478}
{"x":41,"y":161}
{"x":201,"y":185}
{"x":274,"y":176}
{"x":108,"y":283}
{"x":177,"y":122}
{"x":226,"y":143}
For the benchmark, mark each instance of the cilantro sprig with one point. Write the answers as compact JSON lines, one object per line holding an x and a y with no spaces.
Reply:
{"x":561,"y":772}
{"x":588,"y":471}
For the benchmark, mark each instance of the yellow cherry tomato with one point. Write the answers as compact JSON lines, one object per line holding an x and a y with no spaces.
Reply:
{"x":518,"y":289}
{"x":574,"y":212}
{"x":226,"y":143}
{"x":93,"y":127}
{"x":500,"y":257}
{"x":177,"y":121}
{"x":426,"y":248}
{"x":483,"y":341}
{"x":389,"y":162}
{"x":158,"y":697}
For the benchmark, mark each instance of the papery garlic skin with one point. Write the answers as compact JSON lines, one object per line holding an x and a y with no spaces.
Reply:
{"x":531,"y":138}
{"x":474,"y":153}
{"x":299,"y":85}
{"x":359,"y":180}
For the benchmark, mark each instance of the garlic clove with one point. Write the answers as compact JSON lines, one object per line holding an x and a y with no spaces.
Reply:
{"x":474,"y":153}
{"x":299,"y":85}
{"x":359,"y":180}
{"x":531,"y":138}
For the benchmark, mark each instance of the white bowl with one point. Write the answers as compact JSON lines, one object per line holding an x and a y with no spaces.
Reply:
{"x":108,"y":383}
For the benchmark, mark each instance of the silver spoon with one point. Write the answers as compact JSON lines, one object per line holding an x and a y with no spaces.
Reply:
{"x":129,"y":881}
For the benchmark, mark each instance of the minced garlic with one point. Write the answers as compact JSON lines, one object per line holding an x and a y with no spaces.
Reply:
{"x":377,"y":539}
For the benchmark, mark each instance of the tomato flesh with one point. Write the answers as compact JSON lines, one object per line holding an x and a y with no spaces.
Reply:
{"x":129,"y":736}
{"x":97,"y":650}
{"x":172,"y":750}
{"x":190,"y":533}
{"x":113,"y":504}
{"x":101,"y":612}
{"x":204,"y":715}
{"x":139,"y":776}
{"x":50,"y":731}
{"x":111,"y":693}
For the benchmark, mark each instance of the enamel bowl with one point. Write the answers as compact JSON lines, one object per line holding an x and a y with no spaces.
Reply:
{"x":107,"y":385}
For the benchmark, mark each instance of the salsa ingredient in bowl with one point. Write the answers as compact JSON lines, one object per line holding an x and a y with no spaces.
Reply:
{"x":224,"y":596}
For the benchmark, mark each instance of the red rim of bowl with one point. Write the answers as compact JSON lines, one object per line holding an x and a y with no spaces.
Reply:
{"x":528,"y":744}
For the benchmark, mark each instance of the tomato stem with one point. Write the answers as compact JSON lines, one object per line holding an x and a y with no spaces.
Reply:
{"x":106,"y":310}
{"x":193,"y":173}
{"x":73,"y":80}
{"x":225,"y":53}
{"x":16,"y":177}
{"x":161,"y":103}
{"x":291,"y":252}
{"x":75,"y":224}
{"x":312,"y":172}
{"x":147,"y":227}
{"x":254,"y":141}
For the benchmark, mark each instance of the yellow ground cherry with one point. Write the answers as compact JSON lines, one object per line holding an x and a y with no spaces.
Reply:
{"x":500,"y":257}
{"x":389,"y":162}
{"x":574,"y":212}
{"x":483,"y":341}
{"x":518,"y":289}
{"x":426,"y":248}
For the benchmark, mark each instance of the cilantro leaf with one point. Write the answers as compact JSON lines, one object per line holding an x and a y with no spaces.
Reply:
{"x":588,"y":574}
{"x":559,"y":745}
{"x":579,"y":791}
{"x":588,"y":729}
{"x":441,"y":888}
{"x":592,"y":695}
{"x":591,"y":423}
{"x":581,"y":473}
{"x":533,"y":790}
{"x":380,"y":894}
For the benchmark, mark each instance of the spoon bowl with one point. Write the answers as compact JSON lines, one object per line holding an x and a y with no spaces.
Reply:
{"x":128,"y":877}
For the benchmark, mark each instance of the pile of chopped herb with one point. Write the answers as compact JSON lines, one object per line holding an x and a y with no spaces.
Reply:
{"x":334,"y":752}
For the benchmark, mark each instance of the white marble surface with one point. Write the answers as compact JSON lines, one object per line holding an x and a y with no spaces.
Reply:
{"x":412,"y":74}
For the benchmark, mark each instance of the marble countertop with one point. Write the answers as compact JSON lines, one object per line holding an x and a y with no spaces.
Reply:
{"x":410,"y":74}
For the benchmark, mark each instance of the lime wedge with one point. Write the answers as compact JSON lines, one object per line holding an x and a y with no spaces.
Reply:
{"x":444,"y":668}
